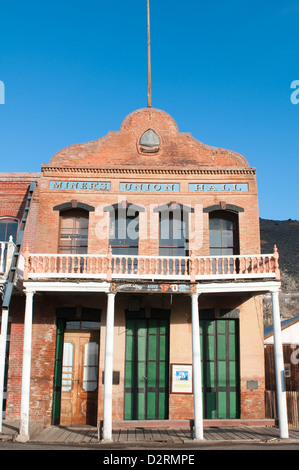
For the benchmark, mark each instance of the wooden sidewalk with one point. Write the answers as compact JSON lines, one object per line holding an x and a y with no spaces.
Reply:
{"x":88,"y":435}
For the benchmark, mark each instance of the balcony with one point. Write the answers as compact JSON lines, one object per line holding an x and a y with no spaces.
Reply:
{"x":6,"y":254}
{"x":111,"y":267}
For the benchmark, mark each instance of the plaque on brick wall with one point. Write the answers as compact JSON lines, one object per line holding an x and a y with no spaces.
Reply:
{"x":252,"y":385}
{"x":181,"y":378}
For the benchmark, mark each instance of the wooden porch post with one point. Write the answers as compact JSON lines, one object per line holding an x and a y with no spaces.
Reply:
{"x":108,"y":371}
{"x":279,"y":369}
{"x":25,"y":389}
{"x":3,"y":340}
{"x":197,"y":379}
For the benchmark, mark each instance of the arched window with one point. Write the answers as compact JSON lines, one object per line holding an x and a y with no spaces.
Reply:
{"x":224,"y":233}
{"x":73,"y":233}
{"x":174,"y":234}
{"x":124,"y":233}
{"x":8,"y":227}
{"x":224,"y":239}
{"x":124,"y":228}
{"x":173,"y":229}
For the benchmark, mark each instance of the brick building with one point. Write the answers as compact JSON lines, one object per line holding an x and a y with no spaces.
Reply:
{"x":136,"y":283}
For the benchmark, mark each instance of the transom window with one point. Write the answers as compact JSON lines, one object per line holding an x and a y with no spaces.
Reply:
{"x":82,"y":325}
{"x":73,"y":237}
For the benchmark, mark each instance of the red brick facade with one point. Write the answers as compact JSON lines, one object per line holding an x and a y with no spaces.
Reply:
{"x":73,"y":176}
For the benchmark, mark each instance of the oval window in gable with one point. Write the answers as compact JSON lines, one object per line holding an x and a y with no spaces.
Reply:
{"x":149,"y":142}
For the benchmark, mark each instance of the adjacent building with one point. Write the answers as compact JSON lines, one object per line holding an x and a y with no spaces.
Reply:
{"x":290,"y":341}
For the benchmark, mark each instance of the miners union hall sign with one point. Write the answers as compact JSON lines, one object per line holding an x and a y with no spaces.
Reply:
{"x":148,"y":187}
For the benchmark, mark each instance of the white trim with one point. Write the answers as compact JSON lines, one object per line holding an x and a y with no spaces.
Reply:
{"x":260,"y":255}
{"x":279,"y":370}
{"x":176,"y":277}
{"x":62,"y":276}
{"x":67,"y":255}
{"x":3,"y":342}
{"x":82,"y":276}
{"x":153,"y":277}
{"x":26,"y":371}
{"x":59,"y":286}
{"x":229,"y":287}
{"x":234,"y":276}
{"x":88,"y":255}
{"x":201,"y":288}
{"x":108,"y":369}
{"x":196,"y":361}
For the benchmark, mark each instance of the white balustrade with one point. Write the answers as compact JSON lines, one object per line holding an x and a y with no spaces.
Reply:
{"x":186,"y":268}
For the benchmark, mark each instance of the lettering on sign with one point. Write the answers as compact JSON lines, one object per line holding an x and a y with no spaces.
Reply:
{"x":81,"y":185}
{"x":164,"y":288}
{"x":217,"y":187}
{"x":150,"y":187}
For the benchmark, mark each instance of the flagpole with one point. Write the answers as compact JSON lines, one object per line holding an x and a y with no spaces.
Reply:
{"x":149,"y":85}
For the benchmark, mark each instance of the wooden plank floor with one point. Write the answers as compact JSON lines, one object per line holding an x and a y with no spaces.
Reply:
{"x":89,"y":434}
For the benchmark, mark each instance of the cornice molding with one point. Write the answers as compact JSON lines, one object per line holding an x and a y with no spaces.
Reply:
{"x":151,"y":171}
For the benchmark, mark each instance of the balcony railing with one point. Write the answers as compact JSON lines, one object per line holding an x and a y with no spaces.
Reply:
{"x":184,"y":268}
{"x":6,"y":254}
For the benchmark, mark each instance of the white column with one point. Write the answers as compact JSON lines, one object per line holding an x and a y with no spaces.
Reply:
{"x":108,"y":371}
{"x":197,"y":380}
{"x":3,"y":340}
{"x":25,"y":390}
{"x":279,"y":369}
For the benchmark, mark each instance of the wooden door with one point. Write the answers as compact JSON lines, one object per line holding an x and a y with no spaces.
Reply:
{"x":79,"y":394}
{"x":146,"y":375}
{"x":220,"y":367}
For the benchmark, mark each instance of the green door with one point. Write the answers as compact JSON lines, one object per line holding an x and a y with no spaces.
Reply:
{"x":146,"y":368}
{"x":220,"y":368}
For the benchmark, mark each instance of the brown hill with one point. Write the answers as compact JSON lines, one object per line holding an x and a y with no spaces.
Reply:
{"x":285,"y":234}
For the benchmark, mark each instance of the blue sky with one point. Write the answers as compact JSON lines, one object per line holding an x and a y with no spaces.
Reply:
{"x":73,"y":70}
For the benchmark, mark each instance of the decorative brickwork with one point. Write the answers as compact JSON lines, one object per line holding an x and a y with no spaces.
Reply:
{"x":175,"y":171}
